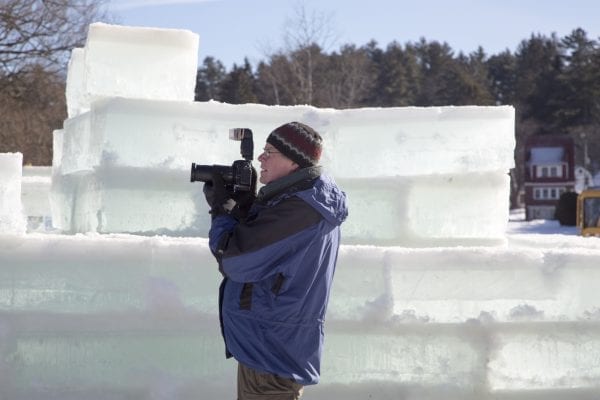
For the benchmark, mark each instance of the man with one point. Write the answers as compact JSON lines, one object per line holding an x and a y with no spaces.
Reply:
{"x":278,"y":261}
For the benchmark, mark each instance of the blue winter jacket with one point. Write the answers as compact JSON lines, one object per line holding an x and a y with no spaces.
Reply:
{"x":278,"y":267}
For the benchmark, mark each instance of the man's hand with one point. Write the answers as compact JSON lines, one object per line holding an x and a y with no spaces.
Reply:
{"x":216,"y":195}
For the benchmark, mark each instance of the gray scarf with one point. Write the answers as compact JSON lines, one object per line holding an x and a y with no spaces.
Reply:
{"x":278,"y":186}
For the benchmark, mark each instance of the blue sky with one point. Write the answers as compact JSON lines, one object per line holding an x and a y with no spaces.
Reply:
{"x":230,"y":30}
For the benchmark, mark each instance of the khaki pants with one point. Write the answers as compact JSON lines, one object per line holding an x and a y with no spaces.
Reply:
{"x":254,"y":385}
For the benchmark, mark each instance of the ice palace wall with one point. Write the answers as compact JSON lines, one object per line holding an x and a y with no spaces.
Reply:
{"x":431,"y":299}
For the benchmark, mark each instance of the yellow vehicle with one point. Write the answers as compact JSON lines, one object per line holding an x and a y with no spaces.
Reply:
{"x":588,"y":212}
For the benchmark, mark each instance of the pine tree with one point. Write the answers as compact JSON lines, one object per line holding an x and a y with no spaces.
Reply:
{"x":396,"y":76}
{"x":437,"y":71}
{"x":502,"y":77}
{"x":239,"y":85}
{"x":209,"y":79}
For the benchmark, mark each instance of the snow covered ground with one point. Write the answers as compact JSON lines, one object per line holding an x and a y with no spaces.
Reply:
{"x":518,"y":225}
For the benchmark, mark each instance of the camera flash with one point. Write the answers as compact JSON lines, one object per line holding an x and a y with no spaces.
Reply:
{"x":237,"y":133}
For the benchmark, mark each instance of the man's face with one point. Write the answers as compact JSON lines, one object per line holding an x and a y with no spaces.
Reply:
{"x":274,"y":165}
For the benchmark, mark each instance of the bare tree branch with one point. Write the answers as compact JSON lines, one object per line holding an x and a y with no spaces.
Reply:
{"x":42,"y":32}
{"x":36,"y":38}
{"x":291,"y":71}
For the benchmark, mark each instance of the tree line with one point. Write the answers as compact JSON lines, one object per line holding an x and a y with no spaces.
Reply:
{"x":553,"y":82}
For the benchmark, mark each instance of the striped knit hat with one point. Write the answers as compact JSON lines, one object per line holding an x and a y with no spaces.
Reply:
{"x":298,"y":142}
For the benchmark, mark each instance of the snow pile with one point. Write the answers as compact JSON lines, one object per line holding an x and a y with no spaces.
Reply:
{"x":432,"y":298}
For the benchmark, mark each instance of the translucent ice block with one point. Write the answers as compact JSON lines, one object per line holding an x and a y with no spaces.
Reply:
{"x":103,"y":274}
{"x":459,"y":284}
{"x":77,"y":145}
{"x":12,"y":219}
{"x":134,"y":62}
{"x":411,"y":141}
{"x":57,"y":150}
{"x":139,"y":133}
{"x":130,"y":200}
{"x":74,"y":93}
{"x":35,"y":196}
{"x":60,"y":206}
{"x":559,"y":356}
{"x":428,"y":210}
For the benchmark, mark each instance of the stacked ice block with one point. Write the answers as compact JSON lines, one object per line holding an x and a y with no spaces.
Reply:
{"x":127,"y":148}
{"x":12,"y":219}
{"x":130,"y":63}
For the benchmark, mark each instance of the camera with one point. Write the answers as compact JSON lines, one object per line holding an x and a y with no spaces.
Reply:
{"x":238,"y":176}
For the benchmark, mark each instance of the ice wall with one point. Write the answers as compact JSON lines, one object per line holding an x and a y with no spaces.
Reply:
{"x":12,"y":219}
{"x":141,"y":150}
{"x":123,"y":157}
{"x":138,"y":319}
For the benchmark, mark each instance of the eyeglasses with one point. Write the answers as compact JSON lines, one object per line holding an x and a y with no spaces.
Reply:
{"x":267,"y":152}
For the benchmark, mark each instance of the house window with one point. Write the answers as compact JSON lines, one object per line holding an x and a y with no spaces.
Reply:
{"x":547,"y":193}
{"x":549,"y":171}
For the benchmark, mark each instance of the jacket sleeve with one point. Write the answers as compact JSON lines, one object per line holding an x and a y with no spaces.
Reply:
{"x":251,"y":251}
{"x":220,"y":225}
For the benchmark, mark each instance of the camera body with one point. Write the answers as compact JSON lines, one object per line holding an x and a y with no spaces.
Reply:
{"x":238,"y":176}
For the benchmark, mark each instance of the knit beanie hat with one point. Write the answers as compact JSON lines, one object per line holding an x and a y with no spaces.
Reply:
{"x":298,"y":142}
